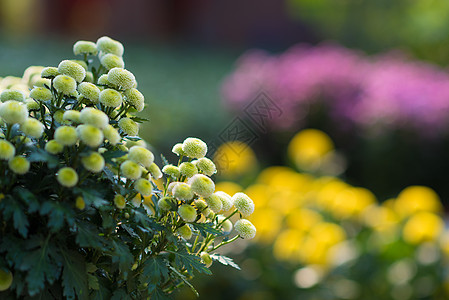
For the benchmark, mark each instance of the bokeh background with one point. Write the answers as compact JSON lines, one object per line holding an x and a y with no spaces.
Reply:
{"x":336,"y":117}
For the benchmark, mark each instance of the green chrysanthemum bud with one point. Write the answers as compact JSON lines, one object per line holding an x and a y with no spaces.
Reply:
{"x":202,"y":185}
{"x":177,"y":149}
{"x":171,"y":186}
{"x":79,"y":203}
{"x":19,"y":165}
{"x":130,"y":170}
{"x":208,"y":213}
{"x":85,"y":47}
{"x":110,"y":98}
{"x":226,"y":200}
{"x":10,"y":94}
{"x":72,"y":69}
{"x":89,"y":77}
{"x":200,"y":204}
{"x":243,"y":203}
{"x":89,"y":91}
{"x":226,"y":226}
{"x":108,"y":45}
{"x":90,"y":135}
{"x":143,"y":186}
{"x":82,"y":63}
{"x":187,"y":213}
{"x":214,"y":203}
{"x":32,"y":128}
{"x":94,"y":162}
{"x":53,"y":147}
{"x":110,"y":61}
{"x":182,"y":191}
{"x":135,"y":98}
{"x":7,"y":150}
{"x":188,"y":169}
{"x":32,"y":105}
{"x":41,"y":94}
{"x":41,"y":82}
{"x":65,"y":84}
{"x":49,"y":72}
{"x":119,"y":201}
{"x":155,"y":171}
{"x":103,"y":80}
{"x":13,"y":112}
{"x":94,"y":117}
{"x":6,"y":279}
{"x":171,"y":170}
{"x":194,"y":148}
{"x":122,"y":78}
{"x":59,"y":116}
{"x":72,"y":116}
{"x":141,"y":156}
{"x":206,"y":166}
{"x":66,"y":135}
{"x":245,"y":228}
{"x":128,"y":126}
{"x":205,"y":259}
{"x":112,"y":135}
{"x":131,"y":143}
{"x":67,"y":177}
{"x":185,"y":232}
{"x":166,"y":204}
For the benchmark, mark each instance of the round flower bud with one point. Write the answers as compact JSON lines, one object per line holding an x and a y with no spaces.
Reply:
{"x":226,"y":200}
{"x":82,"y":63}
{"x":130,"y":170}
{"x":94,"y":117}
{"x":13,"y":112}
{"x":205,"y":259}
{"x":141,"y":156}
{"x":103,"y":80}
{"x":202,"y":185}
{"x":49,"y":72}
{"x":85,"y":47}
{"x":19,"y":165}
{"x":32,"y":128}
{"x":65,"y":84}
{"x":194,"y":148}
{"x":187,"y":213}
{"x":128,"y":126}
{"x":110,"y":98}
{"x":32,"y":105}
{"x":41,"y":94}
{"x":171,"y":170}
{"x":79,"y":203}
{"x":94,"y":162}
{"x":110,"y":61}
{"x":72,"y":69}
{"x":10,"y":94}
{"x":143,"y":186}
{"x":90,"y":135}
{"x":155,"y":171}
{"x":182,"y":191}
{"x":188,"y":169}
{"x":41,"y":82}
{"x":185,"y":232}
{"x":243,"y":203}
{"x":135,"y":98}
{"x":166,"y":204}
{"x":59,"y":116}
{"x":72,"y":116}
{"x":53,"y":147}
{"x":206,"y":166}
{"x":214,"y":203}
{"x":245,"y":228}
{"x":89,"y":91}
{"x":67,"y":177}
{"x":200,"y":204}
{"x":208,"y":213}
{"x":108,"y":45}
{"x":112,"y":135}
{"x":6,"y":279}
{"x":177,"y":149}
{"x":119,"y":201}
{"x":226,"y":226}
{"x":66,"y":135}
{"x":171,"y":186}
{"x":122,"y":78}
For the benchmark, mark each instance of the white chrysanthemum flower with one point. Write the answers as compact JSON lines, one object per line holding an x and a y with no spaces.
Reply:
{"x":143,"y":186}
{"x":10,"y":94}
{"x":49,"y":72}
{"x":103,"y":80}
{"x":226,"y":200}
{"x":226,"y":226}
{"x":112,"y":135}
{"x":185,"y":232}
{"x":182,"y":191}
{"x":32,"y":128}
{"x":214,"y":203}
{"x":65,"y":84}
{"x":206,"y":166}
{"x":13,"y":112}
{"x":128,"y":126}
{"x":188,"y":169}
{"x":107,"y":45}
{"x":94,"y":162}
{"x":72,"y":69}
{"x":94,"y":117}
{"x":177,"y":149}
{"x":73,"y":116}
{"x":67,"y":177}
{"x":122,"y":78}
{"x":135,"y":98}
{"x":66,"y":135}
{"x":194,"y":147}
{"x":53,"y":147}
{"x":243,"y":203}
{"x":19,"y":165}
{"x":202,"y":185}
{"x":110,"y":61}
{"x":245,"y":229}
{"x":171,"y":170}
{"x":32,"y":105}
{"x":7,"y":150}
{"x":141,"y":156}
{"x":130,"y":170}
{"x":85,"y":47}
{"x":90,"y":135}
{"x":187,"y":213}
{"x":155,"y":171}
{"x":41,"y":94}
{"x":89,"y":91}
{"x":110,"y":98}
{"x":166,"y":204}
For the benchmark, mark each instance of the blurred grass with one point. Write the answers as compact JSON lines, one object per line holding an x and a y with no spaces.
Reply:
{"x":180,"y":84}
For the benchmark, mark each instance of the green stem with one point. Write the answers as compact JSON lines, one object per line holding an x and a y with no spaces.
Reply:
{"x":225,"y":243}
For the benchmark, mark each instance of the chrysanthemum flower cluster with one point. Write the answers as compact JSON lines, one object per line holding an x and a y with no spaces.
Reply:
{"x":85,"y":210}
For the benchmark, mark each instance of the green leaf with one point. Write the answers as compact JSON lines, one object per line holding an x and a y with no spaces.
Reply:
{"x":164,"y":160}
{"x":122,"y":255}
{"x":74,"y":276}
{"x":154,"y":270}
{"x":92,"y":281}
{"x":206,"y":228}
{"x":102,"y":292}
{"x":57,"y":212}
{"x":28,"y":197}
{"x":91,"y":196}
{"x":88,"y":236}
{"x":38,"y":154}
{"x":139,"y":119}
{"x":109,"y":155}
{"x":12,"y":208}
{"x":190,"y":262}
{"x":120,"y":294}
{"x":224,"y":260}
{"x":158,"y":294}
{"x":184,"y":279}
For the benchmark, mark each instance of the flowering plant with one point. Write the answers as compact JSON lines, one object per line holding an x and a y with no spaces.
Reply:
{"x":85,"y":212}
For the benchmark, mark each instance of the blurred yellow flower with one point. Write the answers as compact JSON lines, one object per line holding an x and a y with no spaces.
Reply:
{"x":422,"y":227}
{"x":303,"y":219}
{"x":417,"y":198}
{"x":234,"y":159}
{"x":288,"y":244}
{"x":229,"y":187}
{"x":268,"y":223}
